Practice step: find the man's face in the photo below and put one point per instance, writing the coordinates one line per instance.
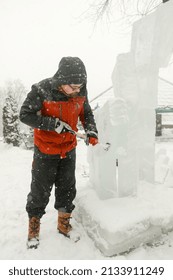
(72, 89)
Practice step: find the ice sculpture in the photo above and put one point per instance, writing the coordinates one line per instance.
(128, 120)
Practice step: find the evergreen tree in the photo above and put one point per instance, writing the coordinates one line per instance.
(11, 122)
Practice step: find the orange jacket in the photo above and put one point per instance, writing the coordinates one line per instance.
(51, 142)
(40, 110)
(45, 103)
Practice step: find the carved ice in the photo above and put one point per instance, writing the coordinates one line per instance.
(128, 120)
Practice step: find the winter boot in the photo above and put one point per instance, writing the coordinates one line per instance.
(65, 228)
(33, 233)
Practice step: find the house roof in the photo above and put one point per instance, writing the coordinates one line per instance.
(165, 95)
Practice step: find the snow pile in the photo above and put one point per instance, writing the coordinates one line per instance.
(120, 224)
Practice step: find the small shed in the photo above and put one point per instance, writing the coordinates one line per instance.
(164, 110)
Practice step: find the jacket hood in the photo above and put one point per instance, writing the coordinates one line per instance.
(71, 71)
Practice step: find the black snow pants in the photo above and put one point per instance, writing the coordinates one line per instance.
(47, 172)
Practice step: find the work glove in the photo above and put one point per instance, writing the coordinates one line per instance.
(61, 127)
(91, 138)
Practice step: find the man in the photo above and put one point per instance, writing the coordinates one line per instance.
(52, 108)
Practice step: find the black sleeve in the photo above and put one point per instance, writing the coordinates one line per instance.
(30, 111)
(87, 117)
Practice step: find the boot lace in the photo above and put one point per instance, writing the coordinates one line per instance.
(66, 223)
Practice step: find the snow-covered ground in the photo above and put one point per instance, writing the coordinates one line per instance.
(15, 177)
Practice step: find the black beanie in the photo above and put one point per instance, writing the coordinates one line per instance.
(71, 71)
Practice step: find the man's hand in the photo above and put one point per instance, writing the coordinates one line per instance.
(91, 138)
(61, 127)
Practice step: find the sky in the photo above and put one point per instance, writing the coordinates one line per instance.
(36, 34)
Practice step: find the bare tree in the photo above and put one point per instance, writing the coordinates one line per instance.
(16, 89)
(129, 9)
